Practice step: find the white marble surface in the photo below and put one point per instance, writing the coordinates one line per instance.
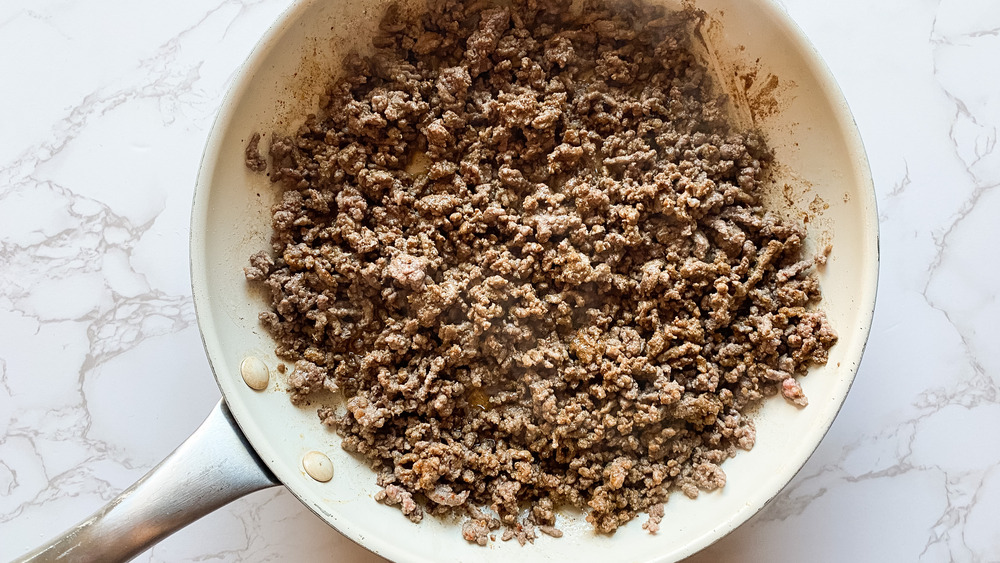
(104, 109)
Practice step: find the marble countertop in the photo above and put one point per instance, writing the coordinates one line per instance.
(104, 110)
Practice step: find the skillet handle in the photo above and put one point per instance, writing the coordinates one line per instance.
(212, 468)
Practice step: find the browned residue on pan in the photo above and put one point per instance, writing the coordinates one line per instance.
(756, 93)
(764, 94)
(757, 97)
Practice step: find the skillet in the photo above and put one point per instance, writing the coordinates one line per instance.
(256, 439)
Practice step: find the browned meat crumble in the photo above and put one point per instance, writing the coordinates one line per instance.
(528, 248)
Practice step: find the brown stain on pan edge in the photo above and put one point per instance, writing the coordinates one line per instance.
(755, 93)
(756, 97)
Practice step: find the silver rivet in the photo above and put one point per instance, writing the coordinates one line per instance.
(318, 466)
(254, 373)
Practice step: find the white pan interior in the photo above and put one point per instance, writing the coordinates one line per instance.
(823, 164)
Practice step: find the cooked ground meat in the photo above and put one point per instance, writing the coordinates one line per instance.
(528, 248)
(252, 157)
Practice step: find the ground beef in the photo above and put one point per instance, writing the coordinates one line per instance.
(652, 524)
(252, 157)
(528, 249)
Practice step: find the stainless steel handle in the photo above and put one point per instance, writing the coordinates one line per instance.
(212, 468)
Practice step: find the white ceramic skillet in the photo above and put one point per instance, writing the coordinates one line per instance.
(776, 82)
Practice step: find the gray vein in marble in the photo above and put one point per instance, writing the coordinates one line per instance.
(992, 32)
(897, 191)
(962, 111)
(165, 82)
(960, 504)
(8, 21)
(975, 388)
(806, 488)
(902, 184)
(3, 378)
(110, 330)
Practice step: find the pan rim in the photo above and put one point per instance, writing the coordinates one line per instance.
(200, 217)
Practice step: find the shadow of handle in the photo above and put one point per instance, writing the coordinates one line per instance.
(212, 468)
